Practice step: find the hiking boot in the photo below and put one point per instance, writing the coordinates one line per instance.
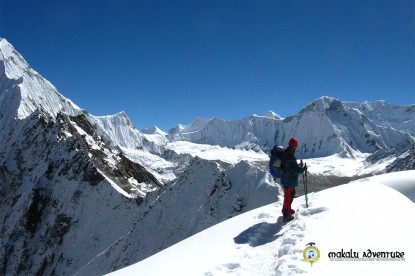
(288, 218)
(292, 212)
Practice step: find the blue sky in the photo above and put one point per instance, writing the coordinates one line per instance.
(167, 62)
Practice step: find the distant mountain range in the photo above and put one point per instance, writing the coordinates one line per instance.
(88, 194)
(324, 127)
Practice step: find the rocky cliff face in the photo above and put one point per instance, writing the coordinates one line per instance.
(54, 200)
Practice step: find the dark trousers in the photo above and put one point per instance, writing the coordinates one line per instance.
(289, 193)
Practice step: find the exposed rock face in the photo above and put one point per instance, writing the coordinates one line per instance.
(53, 199)
(106, 155)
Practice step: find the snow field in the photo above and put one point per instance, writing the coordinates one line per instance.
(210, 152)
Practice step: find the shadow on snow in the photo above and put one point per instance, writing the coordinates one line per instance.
(260, 234)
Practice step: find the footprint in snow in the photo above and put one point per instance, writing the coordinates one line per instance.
(232, 265)
(263, 216)
(228, 268)
(313, 211)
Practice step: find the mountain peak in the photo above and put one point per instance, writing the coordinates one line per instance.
(271, 114)
(153, 130)
(320, 104)
(325, 101)
(3, 42)
(120, 118)
(24, 90)
(197, 124)
(14, 65)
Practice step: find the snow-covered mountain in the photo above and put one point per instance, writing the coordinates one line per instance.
(86, 194)
(324, 127)
(26, 95)
(73, 184)
(23, 90)
(62, 178)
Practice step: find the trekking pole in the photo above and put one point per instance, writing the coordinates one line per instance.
(305, 185)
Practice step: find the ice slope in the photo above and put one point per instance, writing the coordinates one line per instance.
(361, 216)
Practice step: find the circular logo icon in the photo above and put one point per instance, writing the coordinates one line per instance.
(311, 253)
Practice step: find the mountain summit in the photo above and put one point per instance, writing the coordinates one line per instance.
(24, 90)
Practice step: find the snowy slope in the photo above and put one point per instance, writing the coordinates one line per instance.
(360, 216)
(201, 197)
(120, 129)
